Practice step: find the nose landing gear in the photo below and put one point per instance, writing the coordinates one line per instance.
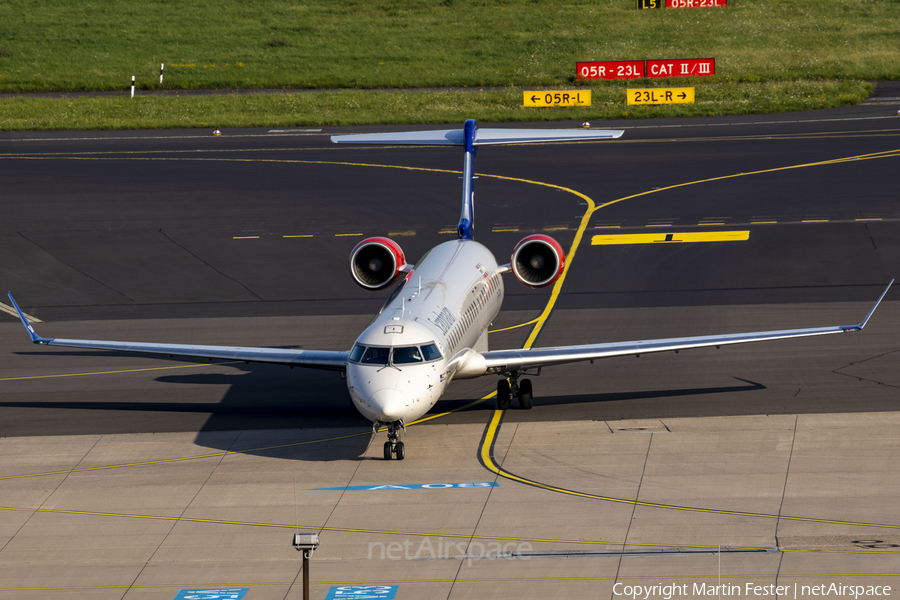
(513, 388)
(393, 447)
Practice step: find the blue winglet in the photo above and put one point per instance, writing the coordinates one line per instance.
(880, 298)
(31, 332)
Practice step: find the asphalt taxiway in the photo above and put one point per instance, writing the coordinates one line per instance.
(124, 476)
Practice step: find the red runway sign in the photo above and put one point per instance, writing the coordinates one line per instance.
(694, 3)
(610, 69)
(681, 67)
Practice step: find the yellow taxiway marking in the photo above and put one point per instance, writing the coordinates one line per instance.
(219, 584)
(308, 235)
(670, 238)
(873, 219)
(402, 233)
(347, 234)
(245, 237)
(763, 222)
(607, 226)
(488, 460)
(504, 229)
(814, 221)
(659, 224)
(514, 326)
(230, 362)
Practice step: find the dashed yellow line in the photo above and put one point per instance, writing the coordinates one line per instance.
(504, 229)
(872, 219)
(814, 221)
(659, 224)
(763, 222)
(308, 235)
(348, 234)
(245, 237)
(402, 233)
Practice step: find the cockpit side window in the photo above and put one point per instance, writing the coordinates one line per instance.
(376, 356)
(406, 355)
(430, 352)
(357, 353)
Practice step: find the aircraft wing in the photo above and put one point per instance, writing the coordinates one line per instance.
(505, 361)
(315, 359)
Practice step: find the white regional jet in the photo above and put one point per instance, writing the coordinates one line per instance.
(433, 328)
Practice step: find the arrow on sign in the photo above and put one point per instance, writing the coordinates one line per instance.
(534, 98)
(682, 95)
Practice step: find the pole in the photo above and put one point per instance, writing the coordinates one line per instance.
(306, 575)
(132, 86)
(161, 67)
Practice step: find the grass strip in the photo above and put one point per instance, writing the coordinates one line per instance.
(100, 44)
(358, 107)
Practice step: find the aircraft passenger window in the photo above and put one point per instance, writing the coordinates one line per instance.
(357, 353)
(376, 356)
(407, 355)
(430, 352)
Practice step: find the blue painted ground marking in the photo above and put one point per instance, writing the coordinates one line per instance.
(362, 592)
(411, 486)
(212, 594)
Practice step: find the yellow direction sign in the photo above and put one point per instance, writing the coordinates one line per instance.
(568, 98)
(661, 96)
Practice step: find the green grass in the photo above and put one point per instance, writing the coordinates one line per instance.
(359, 107)
(359, 44)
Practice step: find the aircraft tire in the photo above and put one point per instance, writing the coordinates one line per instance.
(502, 394)
(388, 455)
(401, 451)
(525, 397)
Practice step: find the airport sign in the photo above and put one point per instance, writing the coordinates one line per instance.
(681, 67)
(660, 96)
(567, 98)
(694, 3)
(610, 69)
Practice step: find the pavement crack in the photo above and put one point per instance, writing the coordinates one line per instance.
(859, 362)
(74, 268)
(226, 275)
(637, 496)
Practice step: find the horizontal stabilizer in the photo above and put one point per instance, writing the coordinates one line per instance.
(483, 136)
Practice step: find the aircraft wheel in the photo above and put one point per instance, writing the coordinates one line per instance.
(388, 455)
(525, 398)
(503, 394)
(401, 451)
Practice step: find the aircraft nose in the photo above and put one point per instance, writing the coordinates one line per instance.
(392, 404)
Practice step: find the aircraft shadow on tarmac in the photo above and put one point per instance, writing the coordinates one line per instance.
(259, 397)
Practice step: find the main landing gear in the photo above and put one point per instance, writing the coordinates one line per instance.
(513, 388)
(393, 446)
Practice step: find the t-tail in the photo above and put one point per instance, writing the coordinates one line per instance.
(471, 136)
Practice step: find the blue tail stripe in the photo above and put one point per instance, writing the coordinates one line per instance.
(466, 229)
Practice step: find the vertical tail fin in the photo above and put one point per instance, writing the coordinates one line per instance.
(471, 136)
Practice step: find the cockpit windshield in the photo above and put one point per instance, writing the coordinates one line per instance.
(376, 356)
(401, 355)
(406, 355)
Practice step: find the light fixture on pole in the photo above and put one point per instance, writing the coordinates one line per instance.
(306, 543)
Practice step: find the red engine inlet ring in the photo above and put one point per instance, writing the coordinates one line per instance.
(538, 261)
(376, 262)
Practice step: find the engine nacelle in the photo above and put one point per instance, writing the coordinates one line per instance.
(376, 262)
(538, 261)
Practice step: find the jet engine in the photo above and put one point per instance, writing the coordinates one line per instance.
(538, 261)
(376, 262)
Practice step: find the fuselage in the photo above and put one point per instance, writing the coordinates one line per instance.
(426, 332)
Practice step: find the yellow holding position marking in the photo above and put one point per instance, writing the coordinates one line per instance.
(670, 238)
